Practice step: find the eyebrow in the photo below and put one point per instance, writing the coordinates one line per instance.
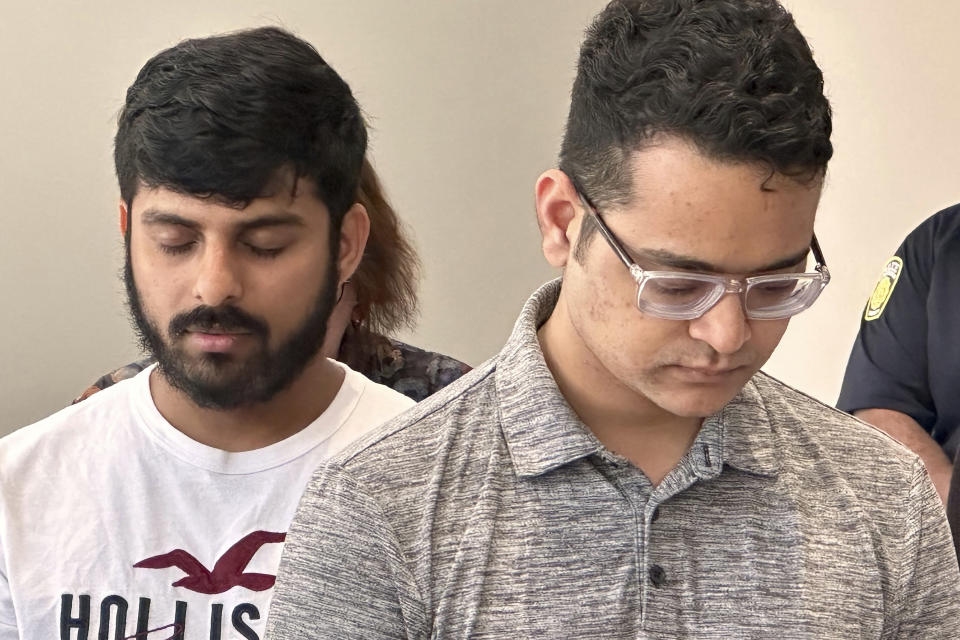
(676, 261)
(159, 217)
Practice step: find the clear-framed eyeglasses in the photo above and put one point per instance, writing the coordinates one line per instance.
(681, 295)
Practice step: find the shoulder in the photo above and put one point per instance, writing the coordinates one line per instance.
(434, 455)
(931, 246)
(407, 445)
(377, 401)
(938, 235)
(80, 427)
(108, 380)
(435, 369)
(835, 446)
(414, 372)
(839, 469)
(944, 222)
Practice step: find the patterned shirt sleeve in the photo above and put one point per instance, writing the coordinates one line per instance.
(115, 376)
(412, 371)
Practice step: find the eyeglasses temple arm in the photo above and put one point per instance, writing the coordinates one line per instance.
(817, 252)
(607, 234)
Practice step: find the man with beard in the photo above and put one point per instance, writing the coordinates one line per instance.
(158, 507)
(380, 299)
(622, 470)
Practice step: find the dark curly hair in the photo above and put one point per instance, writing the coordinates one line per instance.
(223, 116)
(736, 78)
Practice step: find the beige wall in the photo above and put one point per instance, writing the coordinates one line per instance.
(467, 99)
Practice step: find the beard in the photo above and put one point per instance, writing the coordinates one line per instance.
(222, 381)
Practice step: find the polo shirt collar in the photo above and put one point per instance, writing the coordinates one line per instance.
(748, 436)
(543, 432)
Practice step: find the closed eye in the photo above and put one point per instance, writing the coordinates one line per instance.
(776, 287)
(675, 291)
(177, 249)
(262, 252)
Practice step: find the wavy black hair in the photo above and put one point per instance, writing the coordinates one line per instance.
(223, 117)
(735, 78)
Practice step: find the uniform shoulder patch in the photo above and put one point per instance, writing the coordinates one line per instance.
(884, 289)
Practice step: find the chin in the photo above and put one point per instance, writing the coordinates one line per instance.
(695, 403)
(703, 411)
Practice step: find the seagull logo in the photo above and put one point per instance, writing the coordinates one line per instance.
(228, 570)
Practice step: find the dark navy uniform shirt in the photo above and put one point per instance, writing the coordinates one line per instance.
(907, 354)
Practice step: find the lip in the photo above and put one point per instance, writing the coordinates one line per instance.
(215, 341)
(706, 374)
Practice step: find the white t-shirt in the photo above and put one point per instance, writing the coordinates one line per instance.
(115, 525)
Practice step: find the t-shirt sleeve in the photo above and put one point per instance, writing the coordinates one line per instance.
(888, 366)
(929, 587)
(343, 574)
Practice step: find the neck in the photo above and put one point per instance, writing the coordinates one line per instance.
(621, 417)
(256, 426)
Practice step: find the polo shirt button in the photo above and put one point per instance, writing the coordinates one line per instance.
(657, 575)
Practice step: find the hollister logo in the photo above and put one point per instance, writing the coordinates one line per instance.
(114, 610)
(78, 619)
(228, 570)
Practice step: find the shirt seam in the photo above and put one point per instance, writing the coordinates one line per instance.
(834, 410)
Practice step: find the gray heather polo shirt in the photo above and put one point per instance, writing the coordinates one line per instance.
(490, 511)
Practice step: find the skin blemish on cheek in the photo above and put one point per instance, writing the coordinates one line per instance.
(595, 306)
(609, 303)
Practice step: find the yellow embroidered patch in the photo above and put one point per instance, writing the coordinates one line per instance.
(884, 289)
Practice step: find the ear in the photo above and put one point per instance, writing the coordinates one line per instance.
(354, 231)
(559, 213)
(124, 218)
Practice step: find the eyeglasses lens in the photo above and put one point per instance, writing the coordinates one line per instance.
(767, 298)
(677, 292)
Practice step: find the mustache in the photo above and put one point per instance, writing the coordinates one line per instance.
(226, 318)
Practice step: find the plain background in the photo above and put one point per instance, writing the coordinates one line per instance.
(467, 100)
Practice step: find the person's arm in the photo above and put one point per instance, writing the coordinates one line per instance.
(910, 434)
(928, 589)
(887, 381)
(343, 575)
(8, 617)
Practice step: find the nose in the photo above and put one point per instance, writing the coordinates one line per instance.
(218, 278)
(724, 327)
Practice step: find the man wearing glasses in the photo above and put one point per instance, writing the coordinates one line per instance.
(621, 469)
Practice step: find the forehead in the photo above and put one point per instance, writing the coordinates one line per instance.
(299, 205)
(731, 214)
